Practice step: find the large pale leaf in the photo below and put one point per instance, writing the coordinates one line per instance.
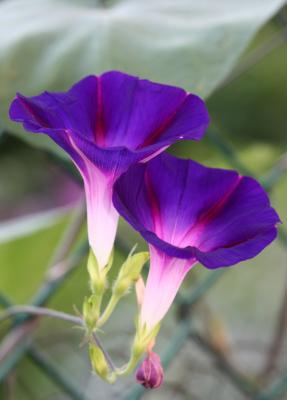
(49, 44)
(11, 230)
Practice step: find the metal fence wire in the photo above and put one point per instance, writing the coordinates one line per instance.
(19, 340)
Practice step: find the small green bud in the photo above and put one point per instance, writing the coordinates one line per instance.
(133, 265)
(91, 311)
(121, 287)
(99, 362)
(130, 272)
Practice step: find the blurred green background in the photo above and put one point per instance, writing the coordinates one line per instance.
(248, 111)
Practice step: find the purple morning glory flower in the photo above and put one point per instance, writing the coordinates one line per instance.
(189, 213)
(106, 124)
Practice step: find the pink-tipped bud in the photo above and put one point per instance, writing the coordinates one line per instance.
(150, 372)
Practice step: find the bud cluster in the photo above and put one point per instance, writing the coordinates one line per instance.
(94, 317)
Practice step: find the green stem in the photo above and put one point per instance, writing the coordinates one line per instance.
(106, 354)
(108, 310)
(40, 311)
(130, 366)
(98, 303)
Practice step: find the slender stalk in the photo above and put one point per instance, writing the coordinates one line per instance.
(46, 312)
(48, 367)
(130, 366)
(98, 296)
(106, 354)
(40, 311)
(108, 310)
(21, 332)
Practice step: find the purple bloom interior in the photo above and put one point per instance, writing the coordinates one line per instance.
(189, 211)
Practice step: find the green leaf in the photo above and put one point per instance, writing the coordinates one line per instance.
(50, 44)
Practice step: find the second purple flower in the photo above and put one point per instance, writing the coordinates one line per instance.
(189, 213)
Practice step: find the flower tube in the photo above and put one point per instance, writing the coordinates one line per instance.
(106, 124)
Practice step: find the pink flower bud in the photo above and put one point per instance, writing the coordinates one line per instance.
(150, 372)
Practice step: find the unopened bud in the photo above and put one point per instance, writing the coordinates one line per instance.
(90, 312)
(98, 361)
(121, 287)
(130, 272)
(150, 372)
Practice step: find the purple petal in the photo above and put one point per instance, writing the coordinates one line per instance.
(74, 110)
(114, 119)
(60, 115)
(188, 210)
(138, 113)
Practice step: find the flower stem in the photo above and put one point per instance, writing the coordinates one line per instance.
(130, 366)
(41, 311)
(108, 310)
(98, 303)
(106, 354)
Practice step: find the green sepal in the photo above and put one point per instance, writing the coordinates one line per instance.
(129, 272)
(91, 312)
(110, 262)
(98, 279)
(99, 364)
(144, 337)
